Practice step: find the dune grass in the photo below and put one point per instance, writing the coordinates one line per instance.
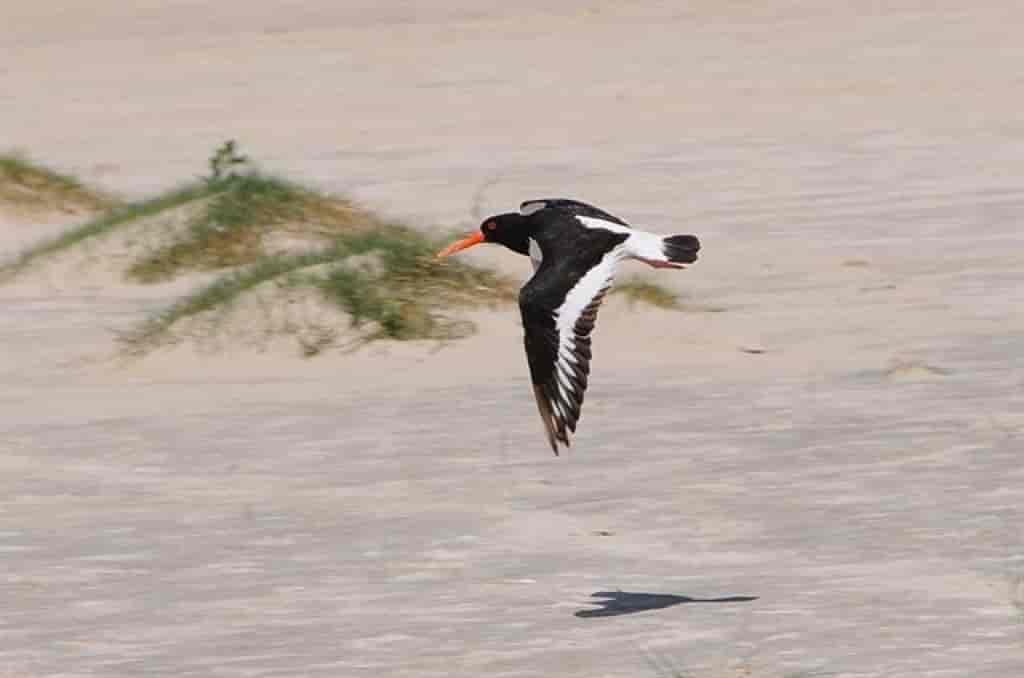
(28, 185)
(382, 275)
(106, 223)
(396, 289)
(637, 289)
(404, 296)
(220, 292)
(399, 290)
(238, 211)
(241, 210)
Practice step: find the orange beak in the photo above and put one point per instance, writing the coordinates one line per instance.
(465, 243)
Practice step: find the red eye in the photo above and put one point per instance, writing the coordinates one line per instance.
(490, 226)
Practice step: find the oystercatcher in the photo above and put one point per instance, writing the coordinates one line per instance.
(575, 249)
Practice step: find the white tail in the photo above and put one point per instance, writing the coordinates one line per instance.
(673, 251)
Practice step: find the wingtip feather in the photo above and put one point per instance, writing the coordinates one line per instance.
(552, 427)
(546, 416)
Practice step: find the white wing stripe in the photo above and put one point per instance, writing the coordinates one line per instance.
(568, 356)
(639, 244)
(590, 286)
(563, 386)
(595, 222)
(580, 296)
(558, 404)
(565, 377)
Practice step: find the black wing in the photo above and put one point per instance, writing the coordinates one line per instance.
(559, 307)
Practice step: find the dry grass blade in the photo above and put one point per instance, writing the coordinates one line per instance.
(28, 186)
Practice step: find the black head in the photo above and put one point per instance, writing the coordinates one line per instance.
(508, 229)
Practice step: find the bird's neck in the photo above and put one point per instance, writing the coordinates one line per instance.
(520, 244)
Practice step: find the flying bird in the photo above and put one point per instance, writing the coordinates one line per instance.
(575, 249)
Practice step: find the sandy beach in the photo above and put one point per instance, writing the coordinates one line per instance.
(814, 468)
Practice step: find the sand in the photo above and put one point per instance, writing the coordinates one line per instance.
(815, 468)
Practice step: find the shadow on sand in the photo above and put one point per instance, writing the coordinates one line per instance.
(614, 603)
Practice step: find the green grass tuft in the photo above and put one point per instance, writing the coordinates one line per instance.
(398, 288)
(229, 231)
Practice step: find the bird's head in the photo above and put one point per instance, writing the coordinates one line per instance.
(508, 229)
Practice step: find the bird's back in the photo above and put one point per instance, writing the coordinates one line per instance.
(567, 244)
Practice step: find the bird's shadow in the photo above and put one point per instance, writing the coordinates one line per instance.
(614, 603)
